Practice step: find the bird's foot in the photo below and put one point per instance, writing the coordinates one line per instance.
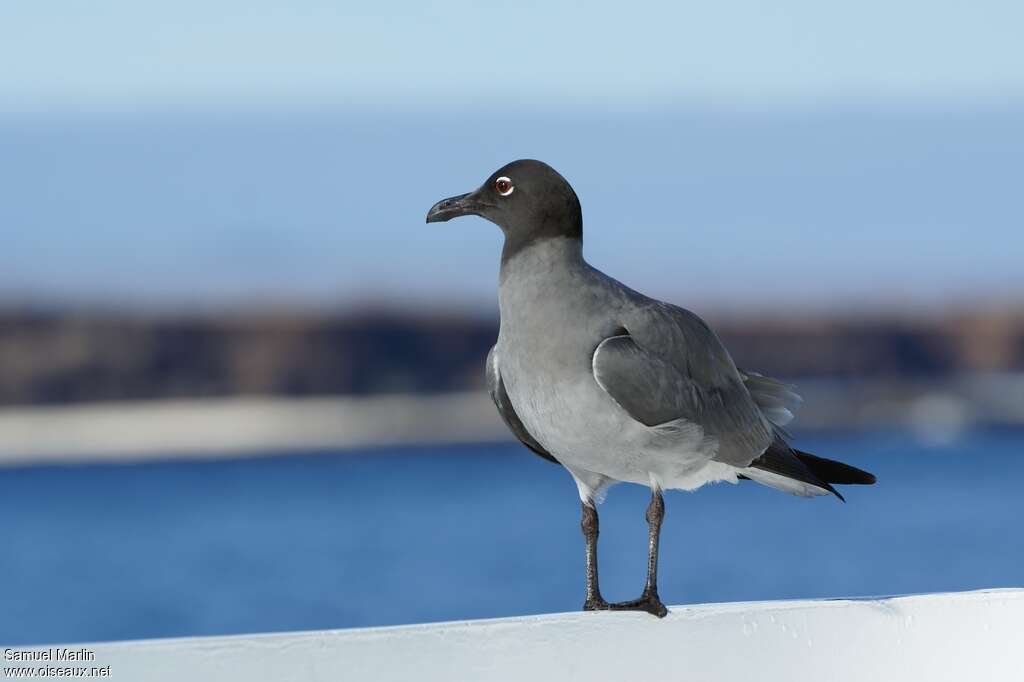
(649, 602)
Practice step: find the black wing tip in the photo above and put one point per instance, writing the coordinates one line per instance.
(835, 472)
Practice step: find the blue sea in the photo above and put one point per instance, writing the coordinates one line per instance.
(387, 536)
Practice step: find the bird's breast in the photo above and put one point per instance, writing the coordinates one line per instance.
(546, 365)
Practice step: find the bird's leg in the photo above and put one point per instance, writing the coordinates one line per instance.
(588, 523)
(655, 514)
(649, 600)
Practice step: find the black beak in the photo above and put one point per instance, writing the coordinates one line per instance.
(453, 207)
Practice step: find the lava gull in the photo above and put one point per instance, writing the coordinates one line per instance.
(616, 386)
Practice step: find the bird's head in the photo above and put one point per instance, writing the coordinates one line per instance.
(527, 199)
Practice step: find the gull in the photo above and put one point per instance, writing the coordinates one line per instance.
(616, 386)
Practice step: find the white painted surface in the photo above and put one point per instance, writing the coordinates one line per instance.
(962, 637)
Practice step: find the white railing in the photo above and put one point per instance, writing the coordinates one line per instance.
(961, 637)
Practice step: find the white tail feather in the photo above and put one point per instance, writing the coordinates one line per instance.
(783, 483)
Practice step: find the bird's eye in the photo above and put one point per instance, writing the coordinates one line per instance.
(504, 186)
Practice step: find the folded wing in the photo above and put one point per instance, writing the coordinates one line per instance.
(653, 382)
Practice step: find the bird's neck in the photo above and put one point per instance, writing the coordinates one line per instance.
(541, 258)
(537, 291)
(565, 227)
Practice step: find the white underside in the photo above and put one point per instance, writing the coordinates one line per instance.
(593, 486)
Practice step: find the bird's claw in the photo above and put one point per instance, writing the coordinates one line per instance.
(648, 602)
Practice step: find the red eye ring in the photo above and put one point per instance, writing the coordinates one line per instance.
(503, 186)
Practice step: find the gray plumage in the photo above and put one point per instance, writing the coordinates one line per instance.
(614, 385)
(496, 388)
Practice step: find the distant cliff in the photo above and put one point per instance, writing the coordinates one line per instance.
(56, 357)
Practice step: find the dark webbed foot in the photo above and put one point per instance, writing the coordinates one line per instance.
(648, 602)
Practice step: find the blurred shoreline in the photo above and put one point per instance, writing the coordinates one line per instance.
(61, 357)
(85, 386)
(935, 412)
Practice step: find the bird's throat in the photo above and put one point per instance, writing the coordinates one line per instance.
(532, 257)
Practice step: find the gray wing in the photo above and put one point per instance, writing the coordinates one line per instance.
(667, 365)
(496, 387)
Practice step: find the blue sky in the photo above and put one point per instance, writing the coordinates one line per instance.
(124, 53)
(740, 154)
